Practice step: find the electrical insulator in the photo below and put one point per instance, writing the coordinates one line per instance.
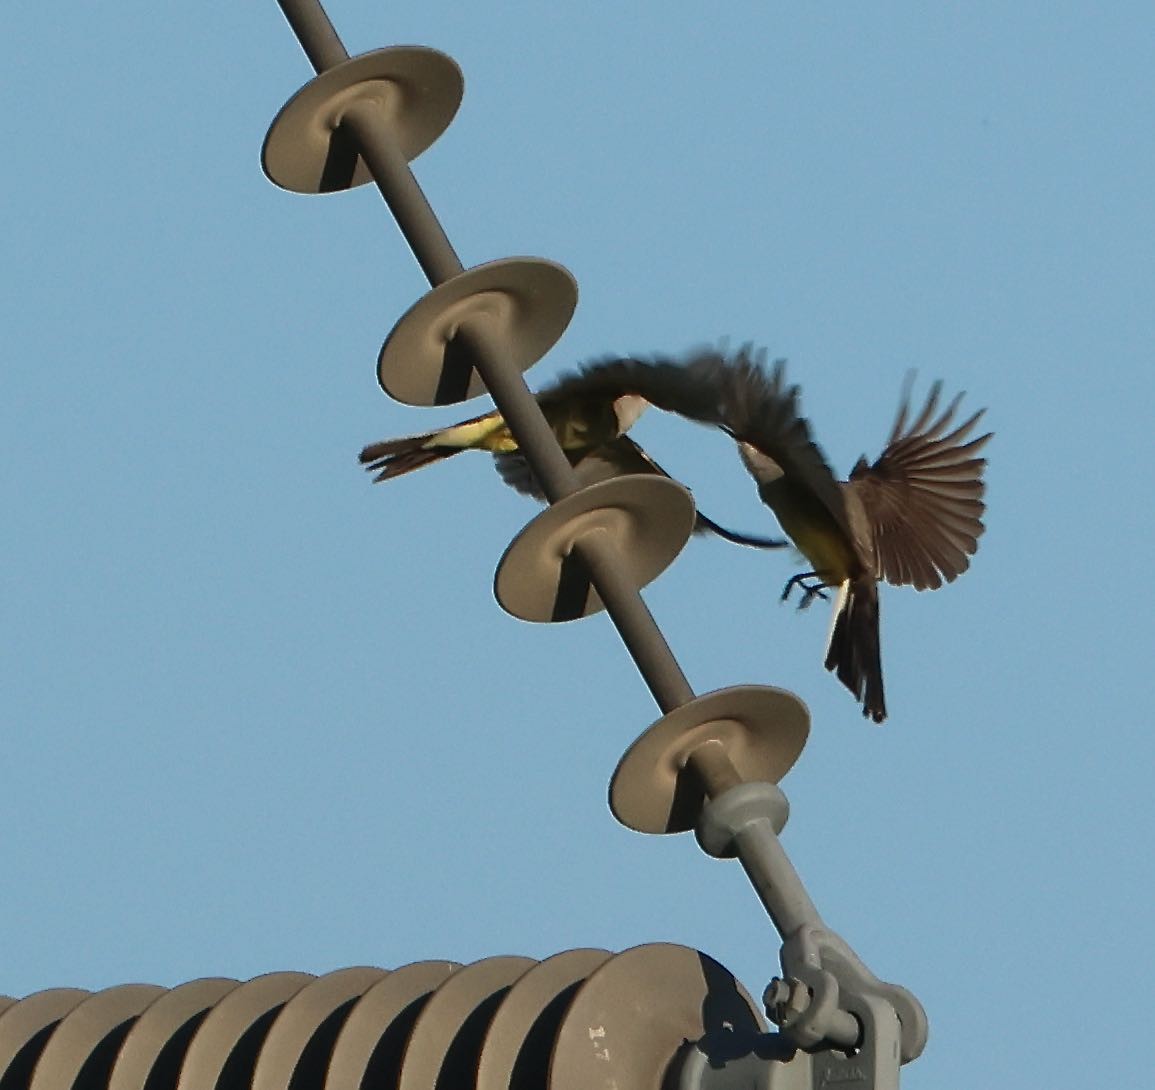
(581, 1020)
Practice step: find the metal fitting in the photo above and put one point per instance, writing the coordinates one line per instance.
(786, 1000)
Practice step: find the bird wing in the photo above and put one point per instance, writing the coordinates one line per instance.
(592, 464)
(923, 496)
(734, 392)
(692, 387)
(660, 380)
(758, 409)
(515, 472)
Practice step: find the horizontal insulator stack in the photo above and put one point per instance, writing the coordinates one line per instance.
(581, 1019)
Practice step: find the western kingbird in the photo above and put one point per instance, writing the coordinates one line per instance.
(589, 411)
(912, 517)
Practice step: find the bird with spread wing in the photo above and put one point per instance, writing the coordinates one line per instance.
(590, 412)
(912, 517)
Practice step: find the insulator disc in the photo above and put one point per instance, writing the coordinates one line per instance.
(297, 1050)
(516, 1051)
(520, 306)
(648, 518)
(232, 1035)
(89, 1037)
(630, 1018)
(155, 1047)
(762, 729)
(372, 1041)
(417, 91)
(446, 1040)
(25, 1029)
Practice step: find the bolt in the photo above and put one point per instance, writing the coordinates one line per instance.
(776, 992)
(785, 1000)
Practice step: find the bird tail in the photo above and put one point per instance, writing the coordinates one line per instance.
(393, 457)
(854, 652)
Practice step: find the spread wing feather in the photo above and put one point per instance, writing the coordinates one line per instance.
(923, 496)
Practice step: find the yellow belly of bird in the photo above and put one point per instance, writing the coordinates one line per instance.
(491, 433)
(825, 550)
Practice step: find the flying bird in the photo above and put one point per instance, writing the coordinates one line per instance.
(912, 517)
(590, 412)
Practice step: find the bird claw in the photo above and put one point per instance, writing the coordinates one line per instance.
(810, 591)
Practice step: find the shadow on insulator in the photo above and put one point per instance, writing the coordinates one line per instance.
(580, 1020)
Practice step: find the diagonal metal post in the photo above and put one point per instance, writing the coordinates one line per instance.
(362, 124)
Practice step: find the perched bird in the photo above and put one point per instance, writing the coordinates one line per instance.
(590, 412)
(912, 517)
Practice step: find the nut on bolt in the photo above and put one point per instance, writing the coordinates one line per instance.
(785, 1000)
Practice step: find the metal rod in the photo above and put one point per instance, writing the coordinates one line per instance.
(756, 844)
(522, 413)
(712, 765)
(365, 126)
(634, 622)
(390, 169)
(315, 33)
(774, 878)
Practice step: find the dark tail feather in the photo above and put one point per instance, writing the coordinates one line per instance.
(854, 653)
(393, 457)
(704, 525)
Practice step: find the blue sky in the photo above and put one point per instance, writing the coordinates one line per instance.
(259, 714)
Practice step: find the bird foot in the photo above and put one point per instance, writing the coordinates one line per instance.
(810, 591)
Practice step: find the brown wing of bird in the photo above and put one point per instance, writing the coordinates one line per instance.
(615, 459)
(731, 391)
(591, 466)
(923, 496)
(687, 387)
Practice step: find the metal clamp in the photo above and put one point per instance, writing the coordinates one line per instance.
(822, 962)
